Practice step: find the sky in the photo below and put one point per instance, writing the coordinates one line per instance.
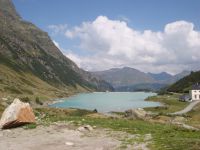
(149, 35)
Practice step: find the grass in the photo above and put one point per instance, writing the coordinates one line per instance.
(1, 109)
(30, 126)
(194, 117)
(164, 136)
(170, 103)
(23, 84)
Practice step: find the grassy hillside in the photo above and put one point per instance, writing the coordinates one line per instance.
(185, 84)
(21, 84)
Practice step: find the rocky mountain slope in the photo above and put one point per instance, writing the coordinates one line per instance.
(25, 50)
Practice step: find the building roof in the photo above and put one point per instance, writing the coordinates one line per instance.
(196, 86)
(185, 97)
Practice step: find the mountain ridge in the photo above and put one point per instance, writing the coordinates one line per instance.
(130, 79)
(26, 49)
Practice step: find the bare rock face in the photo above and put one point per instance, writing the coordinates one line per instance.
(16, 114)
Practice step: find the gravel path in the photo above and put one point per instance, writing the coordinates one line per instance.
(64, 137)
(186, 109)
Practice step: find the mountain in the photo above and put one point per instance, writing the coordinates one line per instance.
(181, 75)
(130, 79)
(31, 62)
(126, 76)
(185, 84)
(141, 87)
(166, 78)
(163, 76)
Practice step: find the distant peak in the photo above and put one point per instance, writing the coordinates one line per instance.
(128, 68)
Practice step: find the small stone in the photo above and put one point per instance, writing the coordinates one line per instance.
(4, 99)
(81, 129)
(9, 131)
(69, 143)
(88, 127)
(85, 128)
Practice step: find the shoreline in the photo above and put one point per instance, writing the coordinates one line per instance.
(60, 100)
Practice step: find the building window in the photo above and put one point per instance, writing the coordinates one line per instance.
(195, 96)
(199, 96)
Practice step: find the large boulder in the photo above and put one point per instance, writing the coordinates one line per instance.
(16, 114)
(138, 113)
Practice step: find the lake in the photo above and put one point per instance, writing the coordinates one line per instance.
(107, 101)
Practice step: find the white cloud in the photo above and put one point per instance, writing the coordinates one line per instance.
(115, 44)
(58, 29)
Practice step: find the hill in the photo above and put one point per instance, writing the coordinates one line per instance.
(31, 62)
(185, 84)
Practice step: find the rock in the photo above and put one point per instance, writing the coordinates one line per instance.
(5, 99)
(69, 143)
(95, 111)
(147, 137)
(179, 119)
(189, 127)
(138, 113)
(16, 114)
(186, 126)
(85, 128)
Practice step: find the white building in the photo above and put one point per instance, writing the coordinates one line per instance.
(195, 92)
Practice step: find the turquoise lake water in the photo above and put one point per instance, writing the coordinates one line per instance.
(107, 101)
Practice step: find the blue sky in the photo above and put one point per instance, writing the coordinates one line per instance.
(139, 15)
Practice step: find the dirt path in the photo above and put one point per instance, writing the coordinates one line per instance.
(65, 137)
(186, 109)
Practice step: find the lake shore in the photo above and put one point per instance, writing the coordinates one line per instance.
(105, 102)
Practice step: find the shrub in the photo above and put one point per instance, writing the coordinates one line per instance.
(37, 100)
(25, 99)
(30, 126)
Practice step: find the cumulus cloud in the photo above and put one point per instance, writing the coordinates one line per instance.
(115, 44)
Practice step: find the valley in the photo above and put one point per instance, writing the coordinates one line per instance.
(73, 83)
